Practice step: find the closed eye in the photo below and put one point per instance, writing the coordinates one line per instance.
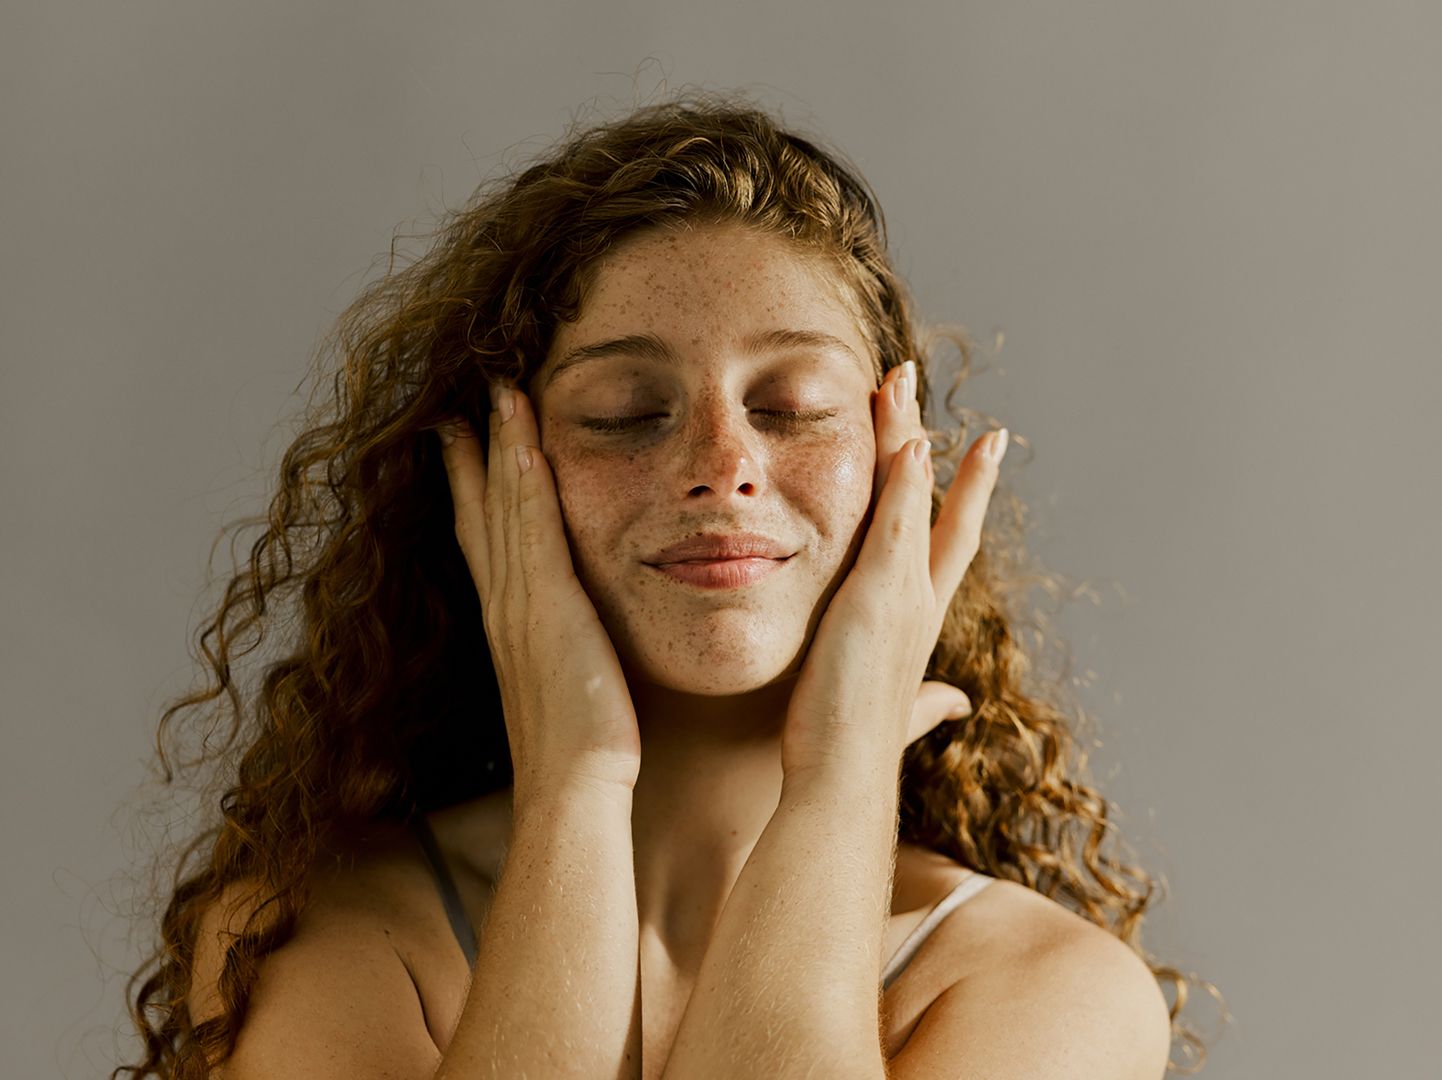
(784, 418)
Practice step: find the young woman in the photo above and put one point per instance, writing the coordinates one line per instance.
(654, 710)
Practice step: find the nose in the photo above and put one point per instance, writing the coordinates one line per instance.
(722, 455)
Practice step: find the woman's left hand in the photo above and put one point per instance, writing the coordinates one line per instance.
(856, 700)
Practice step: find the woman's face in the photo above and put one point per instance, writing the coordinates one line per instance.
(695, 434)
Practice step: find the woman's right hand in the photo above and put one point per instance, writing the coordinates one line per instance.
(568, 711)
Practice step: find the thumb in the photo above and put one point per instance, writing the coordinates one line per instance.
(936, 701)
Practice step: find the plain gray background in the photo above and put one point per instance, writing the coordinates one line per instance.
(1209, 231)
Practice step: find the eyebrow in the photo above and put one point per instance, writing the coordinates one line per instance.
(651, 347)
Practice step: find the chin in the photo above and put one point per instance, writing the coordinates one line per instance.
(717, 665)
(718, 682)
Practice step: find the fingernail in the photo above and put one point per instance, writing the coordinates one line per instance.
(996, 446)
(506, 404)
(523, 458)
(447, 433)
(903, 391)
(921, 450)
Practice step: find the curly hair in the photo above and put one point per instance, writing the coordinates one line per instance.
(379, 706)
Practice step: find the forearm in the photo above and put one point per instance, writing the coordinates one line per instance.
(554, 989)
(790, 984)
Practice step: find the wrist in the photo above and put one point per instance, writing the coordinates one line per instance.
(844, 778)
(556, 790)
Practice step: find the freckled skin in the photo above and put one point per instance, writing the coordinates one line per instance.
(708, 459)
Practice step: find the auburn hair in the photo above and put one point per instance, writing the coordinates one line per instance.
(379, 701)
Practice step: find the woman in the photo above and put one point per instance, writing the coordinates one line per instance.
(656, 710)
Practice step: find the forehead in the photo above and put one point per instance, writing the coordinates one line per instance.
(663, 261)
(709, 287)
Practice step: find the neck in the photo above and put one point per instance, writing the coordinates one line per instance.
(710, 780)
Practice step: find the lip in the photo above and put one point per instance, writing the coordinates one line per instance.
(710, 547)
(720, 573)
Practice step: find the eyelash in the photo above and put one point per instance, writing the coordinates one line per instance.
(785, 418)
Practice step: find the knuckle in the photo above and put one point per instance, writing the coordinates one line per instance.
(531, 534)
(469, 541)
(899, 529)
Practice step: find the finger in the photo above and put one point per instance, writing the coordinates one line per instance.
(956, 536)
(893, 409)
(495, 496)
(900, 531)
(526, 522)
(466, 475)
(544, 554)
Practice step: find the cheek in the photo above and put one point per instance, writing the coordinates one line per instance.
(595, 492)
(832, 480)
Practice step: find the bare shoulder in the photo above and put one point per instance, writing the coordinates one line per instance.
(1032, 989)
(337, 997)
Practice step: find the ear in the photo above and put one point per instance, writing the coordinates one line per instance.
(936, 701)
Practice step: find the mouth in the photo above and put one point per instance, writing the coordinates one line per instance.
(721, 573)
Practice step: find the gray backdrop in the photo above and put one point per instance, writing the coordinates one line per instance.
(1210, 232)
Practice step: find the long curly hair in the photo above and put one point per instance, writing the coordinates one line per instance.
(381, 702)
